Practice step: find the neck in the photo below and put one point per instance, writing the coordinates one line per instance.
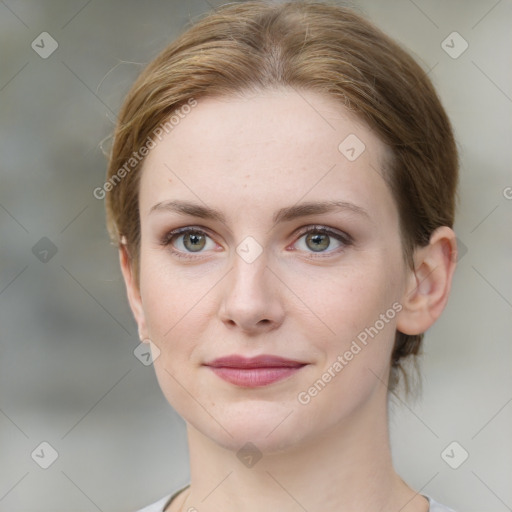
(346, 468)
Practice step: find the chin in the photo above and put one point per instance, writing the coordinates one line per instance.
(269, 426)
(258, 439)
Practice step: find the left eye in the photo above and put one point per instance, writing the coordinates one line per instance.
(319, 239)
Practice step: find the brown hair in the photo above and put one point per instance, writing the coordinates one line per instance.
(319, 46)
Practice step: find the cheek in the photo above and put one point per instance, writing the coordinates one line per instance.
(174, 311)
(347, 300)
(359, 305)
(171, 301)
(360, 310)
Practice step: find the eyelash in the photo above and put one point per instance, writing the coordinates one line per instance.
(344, 238)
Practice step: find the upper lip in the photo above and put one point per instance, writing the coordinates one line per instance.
(262, 361)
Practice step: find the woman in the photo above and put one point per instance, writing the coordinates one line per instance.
(281, 188)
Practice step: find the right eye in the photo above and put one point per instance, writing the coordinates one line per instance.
(186, 241)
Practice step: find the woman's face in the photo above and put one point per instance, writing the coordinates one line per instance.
(249, 178)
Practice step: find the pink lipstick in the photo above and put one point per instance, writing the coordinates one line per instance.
(254, 371)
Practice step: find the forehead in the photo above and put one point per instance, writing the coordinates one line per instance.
(269, 147)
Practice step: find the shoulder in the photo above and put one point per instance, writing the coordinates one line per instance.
(163, 503)
(436, 506)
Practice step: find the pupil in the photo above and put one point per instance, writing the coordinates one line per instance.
(320, 242)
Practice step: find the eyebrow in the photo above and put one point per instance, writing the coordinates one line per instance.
(283, 215)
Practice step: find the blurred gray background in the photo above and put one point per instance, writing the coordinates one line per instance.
(68, 374)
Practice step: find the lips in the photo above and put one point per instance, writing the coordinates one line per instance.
(264, 361)
(254, 371)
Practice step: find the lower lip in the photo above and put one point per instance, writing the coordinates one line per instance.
(254, 377)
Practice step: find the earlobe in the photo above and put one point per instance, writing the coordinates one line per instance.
(132, 291)
(429, 283)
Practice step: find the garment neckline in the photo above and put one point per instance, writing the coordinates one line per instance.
(179, 491)
(173, 496)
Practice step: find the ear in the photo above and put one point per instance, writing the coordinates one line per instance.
(132, 291)
(429, 284)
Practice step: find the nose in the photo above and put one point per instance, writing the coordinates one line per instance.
(251, 297)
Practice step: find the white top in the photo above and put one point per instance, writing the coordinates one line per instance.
(162, 504)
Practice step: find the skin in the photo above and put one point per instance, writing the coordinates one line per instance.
(249, 157)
